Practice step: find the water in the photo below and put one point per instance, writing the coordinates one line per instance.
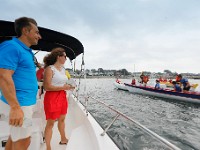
(178, 122)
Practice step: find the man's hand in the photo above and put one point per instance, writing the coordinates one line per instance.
(8, 89)
(16, 116)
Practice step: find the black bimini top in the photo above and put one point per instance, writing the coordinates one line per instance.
(50, 39)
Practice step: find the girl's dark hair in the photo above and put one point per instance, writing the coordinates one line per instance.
(22, 22)
(51, 58)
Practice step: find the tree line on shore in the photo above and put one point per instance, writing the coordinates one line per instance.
(124, 72)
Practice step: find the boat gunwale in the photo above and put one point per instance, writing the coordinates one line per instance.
(193, 95)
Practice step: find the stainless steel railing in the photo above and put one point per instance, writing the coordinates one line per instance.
(118, 113)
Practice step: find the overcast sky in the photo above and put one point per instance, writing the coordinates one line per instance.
(152, 35)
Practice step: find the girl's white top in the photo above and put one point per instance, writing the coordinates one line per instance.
(59, 77)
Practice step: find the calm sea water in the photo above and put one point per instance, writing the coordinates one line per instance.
(178, 122)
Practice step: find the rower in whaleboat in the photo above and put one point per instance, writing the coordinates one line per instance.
(177, 86)
(183, 82)
(144, 79)
(133, 82)
(141, 77)
(157, 86)
(118, 81)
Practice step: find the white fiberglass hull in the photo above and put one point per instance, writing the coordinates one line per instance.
(120, 86)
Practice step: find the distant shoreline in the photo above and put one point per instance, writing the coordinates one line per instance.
(125, 77)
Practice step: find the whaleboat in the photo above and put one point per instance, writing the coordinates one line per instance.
(120, 86)
(82, 130)
(190, 96)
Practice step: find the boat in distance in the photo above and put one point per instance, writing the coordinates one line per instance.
(193, 97)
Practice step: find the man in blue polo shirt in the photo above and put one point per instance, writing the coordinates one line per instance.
(18, 82)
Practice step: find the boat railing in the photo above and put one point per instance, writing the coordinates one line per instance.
(118, 113)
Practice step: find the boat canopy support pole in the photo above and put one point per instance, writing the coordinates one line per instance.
(104, 132)
(82, 74)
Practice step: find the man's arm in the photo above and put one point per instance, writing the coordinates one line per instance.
(8, 90)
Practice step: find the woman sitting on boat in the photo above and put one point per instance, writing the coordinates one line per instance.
(177, 87)
(157, 86)
(133, 81)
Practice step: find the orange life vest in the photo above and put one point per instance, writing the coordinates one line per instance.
(145, 79)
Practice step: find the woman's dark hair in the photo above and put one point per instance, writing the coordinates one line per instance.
(22, 22)
(51, 58)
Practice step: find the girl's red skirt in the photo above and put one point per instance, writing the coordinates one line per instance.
(55, 104)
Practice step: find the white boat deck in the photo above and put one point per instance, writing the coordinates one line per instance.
(83, 132)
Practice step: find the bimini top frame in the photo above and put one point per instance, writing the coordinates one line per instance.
(50, 39)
